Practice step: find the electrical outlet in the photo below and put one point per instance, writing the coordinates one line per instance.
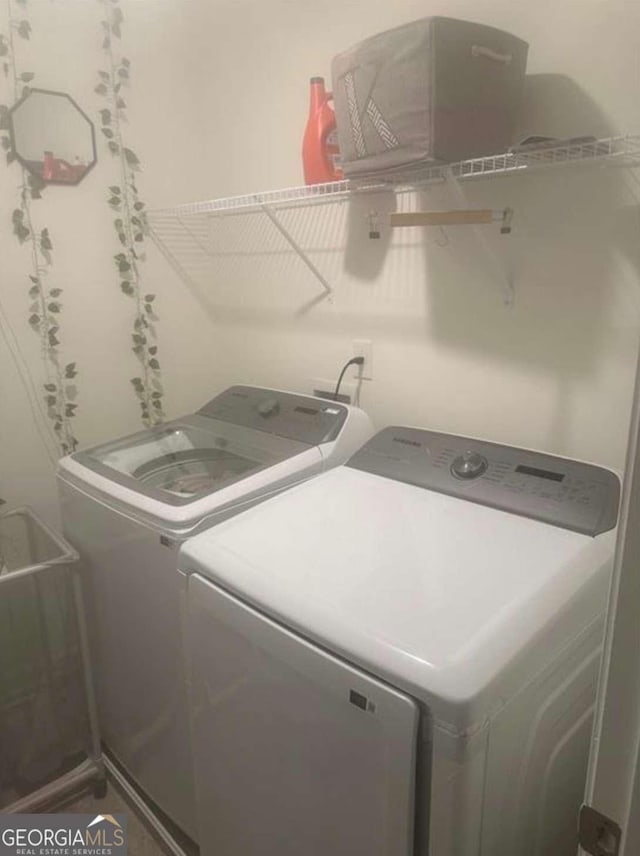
(364, 348)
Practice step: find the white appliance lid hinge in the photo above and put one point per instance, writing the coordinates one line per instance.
(598, 834)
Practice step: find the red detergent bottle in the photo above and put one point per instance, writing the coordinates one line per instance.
(320, 152)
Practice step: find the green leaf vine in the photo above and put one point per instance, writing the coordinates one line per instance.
(59, 389)
(129, 220)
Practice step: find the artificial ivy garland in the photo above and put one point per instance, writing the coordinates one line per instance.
(129, 222)
(45, 309)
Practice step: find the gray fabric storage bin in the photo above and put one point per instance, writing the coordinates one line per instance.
(434, 90)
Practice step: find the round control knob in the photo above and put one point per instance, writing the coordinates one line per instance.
(269, 407)
(469, 465)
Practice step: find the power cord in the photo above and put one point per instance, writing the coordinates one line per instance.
(355, 361)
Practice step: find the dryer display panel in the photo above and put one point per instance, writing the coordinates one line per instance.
(567, 493)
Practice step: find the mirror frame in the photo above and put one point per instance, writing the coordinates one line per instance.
(25, 164)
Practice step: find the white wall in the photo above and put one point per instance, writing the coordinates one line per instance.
(555, 370)
(164, 112)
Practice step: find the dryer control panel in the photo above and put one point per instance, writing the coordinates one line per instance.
(571, 494)
(296, 417)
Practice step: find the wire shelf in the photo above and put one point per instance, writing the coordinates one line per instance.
(185, 233)
(616, 151)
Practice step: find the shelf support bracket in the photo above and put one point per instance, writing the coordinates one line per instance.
(508, 291)
(295, 247)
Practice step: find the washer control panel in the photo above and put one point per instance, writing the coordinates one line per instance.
(571, 494)
(296, 417)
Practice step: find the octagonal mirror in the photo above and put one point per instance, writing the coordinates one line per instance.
(52, 137)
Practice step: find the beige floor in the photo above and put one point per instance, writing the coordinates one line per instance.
(140, 840)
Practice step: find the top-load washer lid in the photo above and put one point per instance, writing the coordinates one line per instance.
(256, 437)
(184, 460)
(452, 568)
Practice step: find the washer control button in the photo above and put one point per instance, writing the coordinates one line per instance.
(269, 407)
(469, 465)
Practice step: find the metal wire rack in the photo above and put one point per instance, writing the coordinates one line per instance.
(620, 151)
(183, 233)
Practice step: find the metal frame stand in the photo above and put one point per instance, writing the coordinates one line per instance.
(91, 772)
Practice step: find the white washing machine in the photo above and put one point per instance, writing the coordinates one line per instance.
(400, 656)
(126, 508)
